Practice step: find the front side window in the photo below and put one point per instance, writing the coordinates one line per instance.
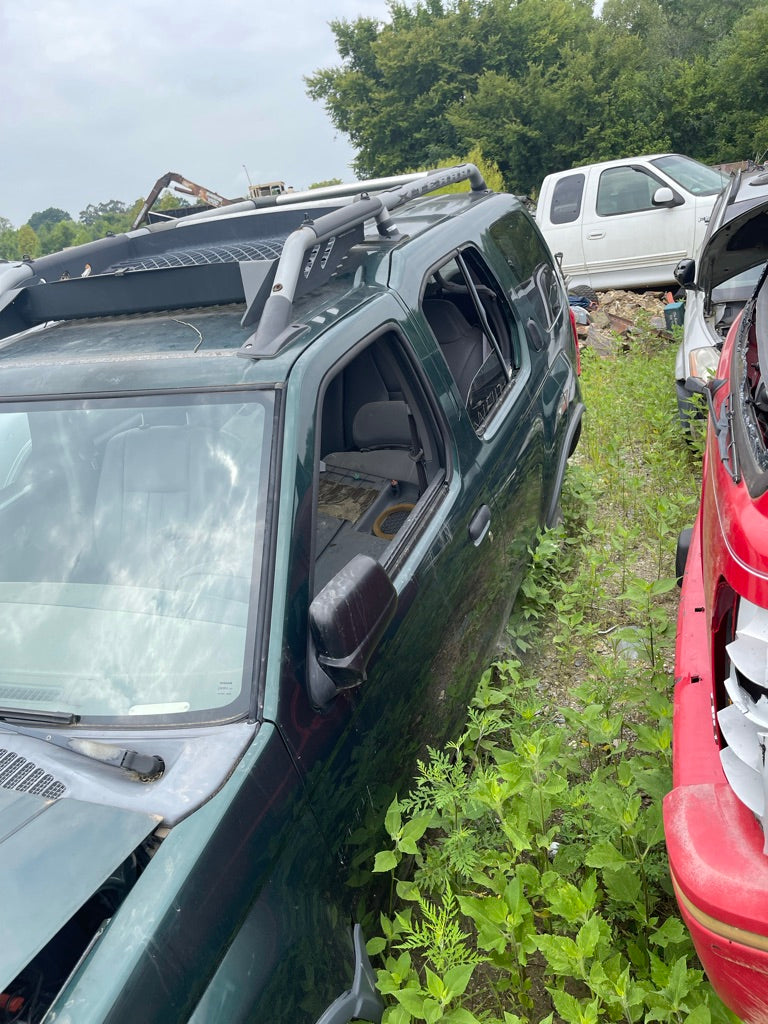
(128, 529)
(475, 330)
(625, 190)
(382, 455)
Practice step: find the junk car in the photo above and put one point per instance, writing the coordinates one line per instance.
(626, 223)
(269, 477)
(715, 818)
(718, 283)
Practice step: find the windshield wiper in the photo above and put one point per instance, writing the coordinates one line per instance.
(41, 717)
(143, 767)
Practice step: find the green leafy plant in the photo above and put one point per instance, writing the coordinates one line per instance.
(528, 872)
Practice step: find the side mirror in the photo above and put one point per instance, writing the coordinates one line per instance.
(347, 619)
(685, 273)
(664, 196)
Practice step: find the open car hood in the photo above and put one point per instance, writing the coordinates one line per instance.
(54, 854)
(736, 246)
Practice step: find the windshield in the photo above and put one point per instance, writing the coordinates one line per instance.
(697, 178)
(739, 287)
(130, 541)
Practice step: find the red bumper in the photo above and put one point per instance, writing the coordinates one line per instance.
(715, 846)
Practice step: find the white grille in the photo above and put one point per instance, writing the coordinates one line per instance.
(744, 723)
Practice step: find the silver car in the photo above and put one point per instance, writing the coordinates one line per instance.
(718, 284)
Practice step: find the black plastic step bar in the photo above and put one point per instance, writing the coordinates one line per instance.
(109, 277)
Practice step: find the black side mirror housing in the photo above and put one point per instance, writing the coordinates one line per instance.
(347, 620)
(685, 272)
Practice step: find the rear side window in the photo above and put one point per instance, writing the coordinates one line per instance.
(476, 331)
(536, 291)
(566, 199)
(625, 190)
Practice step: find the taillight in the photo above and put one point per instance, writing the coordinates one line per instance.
(575, 341)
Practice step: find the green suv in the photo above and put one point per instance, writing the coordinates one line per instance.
(268, 479)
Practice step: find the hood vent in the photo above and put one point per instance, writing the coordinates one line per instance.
(24, 776)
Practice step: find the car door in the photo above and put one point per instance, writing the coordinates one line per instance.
(626, 236)
(355, 740)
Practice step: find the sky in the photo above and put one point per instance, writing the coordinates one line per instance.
(100, 97)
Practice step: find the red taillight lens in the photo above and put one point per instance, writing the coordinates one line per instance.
(575, 341)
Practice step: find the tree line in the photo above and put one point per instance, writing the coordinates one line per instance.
(543, 85)
(53, 229)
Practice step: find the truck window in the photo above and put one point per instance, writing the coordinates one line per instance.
(476, 331)
(536, 292)
(625, 190)
(566, 199)
(380, 450)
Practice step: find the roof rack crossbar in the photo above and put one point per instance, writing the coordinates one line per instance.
(279, 305)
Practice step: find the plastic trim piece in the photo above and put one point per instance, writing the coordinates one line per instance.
(362, 1001)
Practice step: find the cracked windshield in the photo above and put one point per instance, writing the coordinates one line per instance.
(127, 554)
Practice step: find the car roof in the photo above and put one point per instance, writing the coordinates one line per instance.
(616, 163)
(148, 317)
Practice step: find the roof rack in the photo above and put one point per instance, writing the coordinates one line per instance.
(223, 255)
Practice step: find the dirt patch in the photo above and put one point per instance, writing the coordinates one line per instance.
(612, 324)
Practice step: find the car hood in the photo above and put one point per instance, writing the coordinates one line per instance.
(736, 246)
(54, 854)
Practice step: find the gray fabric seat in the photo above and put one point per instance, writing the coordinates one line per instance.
(381, 434)
(460, 342)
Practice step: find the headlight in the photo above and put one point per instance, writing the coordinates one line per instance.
(703, 362)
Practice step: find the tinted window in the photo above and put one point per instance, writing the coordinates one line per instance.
(566, 199)
(625, 190)
(536, 292)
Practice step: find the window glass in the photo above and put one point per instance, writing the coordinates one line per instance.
(14, 445)
(536, 291)
(566, 199)
(625, 190)
(380, 451)
(127, 532)
(695, 177)
(477, 334)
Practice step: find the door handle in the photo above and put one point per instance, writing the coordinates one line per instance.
(479, 525)
(596, 234)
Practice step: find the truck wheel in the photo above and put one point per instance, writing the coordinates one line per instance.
(586, 292)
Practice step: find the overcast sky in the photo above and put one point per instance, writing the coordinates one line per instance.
(99, 98)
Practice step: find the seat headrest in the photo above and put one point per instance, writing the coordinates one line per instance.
(381, 425)
(447, 321)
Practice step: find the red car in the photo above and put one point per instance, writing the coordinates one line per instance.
(716, 817)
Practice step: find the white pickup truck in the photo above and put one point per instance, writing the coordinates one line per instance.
(627, 223)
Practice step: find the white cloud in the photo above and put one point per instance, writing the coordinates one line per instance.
(101, 98)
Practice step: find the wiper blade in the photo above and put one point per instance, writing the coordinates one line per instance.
(142, 767)
(41, 717)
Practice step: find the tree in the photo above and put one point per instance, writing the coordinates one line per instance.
(47, 218)
(109, 211)
(27, 242)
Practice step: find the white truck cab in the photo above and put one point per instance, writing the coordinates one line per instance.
(627, 223)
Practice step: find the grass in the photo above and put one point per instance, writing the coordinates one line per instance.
(527, 864)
